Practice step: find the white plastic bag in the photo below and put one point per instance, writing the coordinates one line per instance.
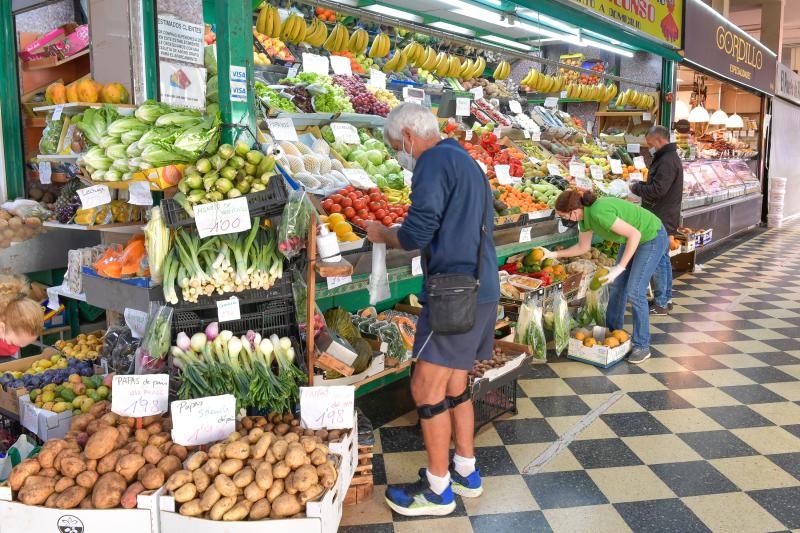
(18, 452)
(379, 278)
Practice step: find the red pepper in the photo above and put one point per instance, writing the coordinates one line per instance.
(511, 268)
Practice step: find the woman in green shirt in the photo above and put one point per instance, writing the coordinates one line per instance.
(643, 242)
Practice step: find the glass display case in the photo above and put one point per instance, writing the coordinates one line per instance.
(694, 194)
(709, 182)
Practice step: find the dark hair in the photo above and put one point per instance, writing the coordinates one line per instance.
(658, 131)
(573, 199)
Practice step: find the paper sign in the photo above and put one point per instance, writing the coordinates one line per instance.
(551, 101)
(45, 173)
(534, 160)
(616, 165)
(646, 117)
(203, 420)
(282, 129)
(577, 169)
(222, 218)
(341, 65)
(136, 320)
(338, 281)
(407, 175)
(462, 107)
(57, 111)
(377, 79)
(635, 176)
(597, 172)
(139, 396)
(636, 120)
(345, 133)
(538, 215)
(316, 64)
(411, 94)
(468, 135)
(634, 148)
(638, 162)
(293, 71)
(515, 106)
(478, 92)
(180, 40)
(94, 196)
(182, 85)
(327, 407)
(525, 234)
(238, 84)
(139, 193)
(416, 266)
(536, 136)
(584, 183)
(563, 94)
(503, 174)
(589, 126)
(553, 169)
(228, 310)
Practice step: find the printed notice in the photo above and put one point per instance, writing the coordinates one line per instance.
(238, 84)
(182, 85)
(179, 40)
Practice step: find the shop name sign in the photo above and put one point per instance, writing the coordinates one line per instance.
(788, 84)
(660, 19)
(741, 50)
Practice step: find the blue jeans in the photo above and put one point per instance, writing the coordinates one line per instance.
(662, 281)
(631, 286)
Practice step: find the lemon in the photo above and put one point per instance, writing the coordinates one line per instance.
(335, 218)
(349, 237)
(341, 228)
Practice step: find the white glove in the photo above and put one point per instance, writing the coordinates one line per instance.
(548, 254)
(613, 273)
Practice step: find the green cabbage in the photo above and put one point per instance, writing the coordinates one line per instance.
(212, 89)
(117, 151)
(184, 119)
(95, 158)
(150, 111)
(160, 154)
(120, 126)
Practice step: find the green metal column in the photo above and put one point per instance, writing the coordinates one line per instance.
(667, 86)
(234, 22)
(150, 49)
(11, 140)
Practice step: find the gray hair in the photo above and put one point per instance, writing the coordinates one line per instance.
(415, 117)
(658, 131)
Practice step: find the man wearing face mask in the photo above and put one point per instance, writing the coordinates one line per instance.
(662, 194)
(451, 207)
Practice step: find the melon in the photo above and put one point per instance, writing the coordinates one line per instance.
(72, 93)
(114, 93)
(87, 91)
(55, 94)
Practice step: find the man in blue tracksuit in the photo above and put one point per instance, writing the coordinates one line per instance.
(450, 200)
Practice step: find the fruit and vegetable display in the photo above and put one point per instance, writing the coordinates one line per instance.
(77, 394)
(596, 92)
(534, 265)
(635, 99)
(21, 223)
(313, 167)
(360, 97)
(55, 369)
(535, 81)
(326, 96)
(372, 156)
(129, 261)
(116, 212)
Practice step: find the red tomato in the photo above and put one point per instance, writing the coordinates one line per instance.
(380, 213)
(375, 196)
(362, 212)
(371, 216)
(353, 196)
(396, 210)
(349, 212)
(326, 204)
(347, 202)
(387, 221)
(405, 208)
(358, 221)
(337, 198)
(360, 203)
(374, 190)
(399, 220)
(336, 208)
(350, 188)
(374, 206)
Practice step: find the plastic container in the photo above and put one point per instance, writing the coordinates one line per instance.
(327, 245)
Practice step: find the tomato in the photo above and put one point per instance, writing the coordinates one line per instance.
(371, 216)
(349, 212)
(358, 221)
(387, 221)
(396, 210)
(362, 212)
(380, 213)
(374, 206)
(399, 220)
(326, 204)
(353, 196)
(375, 196)
(374, 190)
(347, 202)
(360, 204)
(405, 208)
(336, 208)
(337, 198)
(350, 188)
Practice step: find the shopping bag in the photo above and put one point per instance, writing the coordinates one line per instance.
(379, 278)
(18, 452)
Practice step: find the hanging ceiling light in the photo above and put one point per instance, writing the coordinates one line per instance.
(718, 117)
(734, 122)
(698, 114)
(681, 110)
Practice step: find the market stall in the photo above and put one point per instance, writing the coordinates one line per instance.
(783, 199)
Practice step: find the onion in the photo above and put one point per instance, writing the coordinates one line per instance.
(212, 330)
(183, 342)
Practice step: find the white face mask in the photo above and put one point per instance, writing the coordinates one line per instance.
(405, 159)
(653, 151)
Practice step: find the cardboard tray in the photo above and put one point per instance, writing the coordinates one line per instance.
(9, 398)
(601, 356)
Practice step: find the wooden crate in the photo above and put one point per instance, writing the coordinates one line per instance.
(362, 485)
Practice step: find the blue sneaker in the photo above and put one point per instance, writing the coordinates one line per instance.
(417, 499)
(467, 487)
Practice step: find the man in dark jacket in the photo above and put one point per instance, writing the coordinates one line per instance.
(662, 194)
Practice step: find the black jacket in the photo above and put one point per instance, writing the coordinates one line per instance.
(663, 191)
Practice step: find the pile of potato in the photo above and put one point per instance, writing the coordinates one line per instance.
(103, 462)
(269, 469)
(499, 358)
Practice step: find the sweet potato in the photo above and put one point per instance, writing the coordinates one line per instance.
(239, 449)
(212, 466)
(201, 480)
(221, 507)
(238, 511)
(152, 478)
(101, 443)
(109, 462)
(179, 479)
(196, 460)
(275, 490)
(129, 497)
(129, 465)
(285, 505)
(225, 485)
(152, 454)
(185, 493)
(108, 490)
(229, 467)
(28, 467)
(260, 510)
(244, 477)
(264, 476)
(87, 479)
(210, 497)
(192, 508)
(253, 492)
(169, 464)
(72, 497)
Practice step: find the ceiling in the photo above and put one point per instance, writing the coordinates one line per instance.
(747, 15)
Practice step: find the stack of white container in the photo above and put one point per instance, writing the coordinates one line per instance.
(777, 193)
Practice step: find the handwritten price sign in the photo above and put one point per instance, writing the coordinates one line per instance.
(204, 420)
(139, 396)
(222, 218)
(327, 407)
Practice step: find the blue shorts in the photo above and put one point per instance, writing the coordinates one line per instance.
(457, 351)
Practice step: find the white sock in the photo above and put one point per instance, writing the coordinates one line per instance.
(438, 484)
(464, 466)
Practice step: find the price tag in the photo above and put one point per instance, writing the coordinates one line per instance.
(483, 166)
(635, 176)
(526, 134)
(634, 148)
(139, 396)
(57, 111)
(139, 193)
(551, 102)
(553, 169)
(341, 65)
(338, 281)
(638, 162)
(29, 418)
(672, 137)
(503, 173)
(137, 321)
(282, 129)
(222, 218)
(327, 407)
(45, 173)
(536, 136)
(293, 71)
(589, 126)
(416, 266)
(412, 94)
(525, 234)
(584, 183)
(228, 310)
(203, 420)
(316, 64)
(377, 79)
(647, 117)
(462, 107)
(468, 135)
(751, 133)
(407, 175)
(597, 172)
(534, 160)
(577, 169)
(94, 196)
(563, 94)
(478, 92)
(345, 133)
(636, 120)
(537, 215)
(515, 106)
(616, 165)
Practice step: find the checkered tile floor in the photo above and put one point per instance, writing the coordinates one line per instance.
(706, 436)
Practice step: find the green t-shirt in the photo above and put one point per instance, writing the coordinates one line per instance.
(599, 217)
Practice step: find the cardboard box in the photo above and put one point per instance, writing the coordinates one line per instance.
(601, 356)
(45, 424)
(347, 448)
(9, 398)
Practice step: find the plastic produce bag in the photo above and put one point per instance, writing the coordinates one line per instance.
(379, 278)
(299, 292)
(51, 135)
(293, 230)
(18, 452)
(119, 350)
(150, 357)
(395, 347)
(561, 322)
(530, 329)
(594, 307)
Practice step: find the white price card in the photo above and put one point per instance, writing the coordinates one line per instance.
(584, 183)
(616, 165)
(672, 137)
(94, 196)
(590, 126)
(635, 176)
(203, 420)
(341, 65)
(503, 173)
(377, 79)
(282, 129)
(536, 136)
(338, 281)
(563, 94)
(636, 120)
(577, 169)
(551, 101)
(315, 63)
(534, 160)
(136, 320)
(468, 135)
(139, 396)
(407, 177)
(45, 173)
(525, 234)
(633, 148)
(139, 193)
(478, 92)
(228, 310)
(412, 94)
(293, 71)
(515, 106)
(597, 172)
(553, 169)
(462, 107)
(647, 117)
(327, 407)
(222, 218)
(416, 266)
(57, 111)
(538, 215)
(638, 162)
(345, 133)
(526, 134)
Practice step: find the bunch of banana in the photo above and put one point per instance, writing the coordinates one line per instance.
(636, 99)
(442, 64)
(358, 41)
(502, 71)
(397, 62)
(454, 67)
(294, 29)
(414, 52)
(269, 21)
(538, 82)
(426, 59)
(380, 46)
(398, 196)
(338, 39)
(472, 69)
(316, 33)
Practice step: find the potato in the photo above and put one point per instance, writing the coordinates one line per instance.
(142, 436)
(312, 493)
(164, 448)
(155, 428)
(264, 476)
(334, 435)
(101, 443)
(239, 449)
(66, 452)
(279, 448)
(210, 496)
(260, 510)
(179, 479)
(270, 457)
(259, 421)
(108, 490)
(318, 457)
(212, 466)
(87, 478)
(63, 484)
(305, 477)
(91, 464)
(285, 505)
(86, 503)
(158, 440)
(254, 435)
(292, 437)
(253, 492)
(309, 444)
(322, 434)
(275, 490)
(47, 455)
(124, 433)
(152, 478)
(280, 470)
(244, 477)
(152, 454)
(80, 422)
(217, 451)
(281, 429)
(192, 508)
(72, 466)
(72, 497)
(51, 500)
(288, 483)
(225, 485)
(48, 472)
(233, 437)
(110, 419)
(221, 507)
(169, 464)
(247, 423)
(196, 460)
(109, 462)
(308, 433)
(185, 493)
(238, 511)
(230, 466)
(295, 455)
(129, 497)
(135, 447)
(129, 465)
(259, 449)
(20, 473)
(327, 475)
(36, 490)
(254, 463)
(178, 451)
(201, 480)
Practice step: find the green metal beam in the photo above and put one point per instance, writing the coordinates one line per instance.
(667, 84)
(150, 40)
(11, 139)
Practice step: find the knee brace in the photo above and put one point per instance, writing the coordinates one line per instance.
(429, 411)
(453, 401)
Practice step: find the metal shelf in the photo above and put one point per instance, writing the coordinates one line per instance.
(58, 157)
(109, 228)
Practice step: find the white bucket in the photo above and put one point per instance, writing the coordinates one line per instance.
(777, 183)
(775, 220)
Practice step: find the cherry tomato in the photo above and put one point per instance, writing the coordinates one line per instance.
(347, 202)
(380, 213)
(399, 220)
(387, 221)
(349, 212)
(336, 208)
